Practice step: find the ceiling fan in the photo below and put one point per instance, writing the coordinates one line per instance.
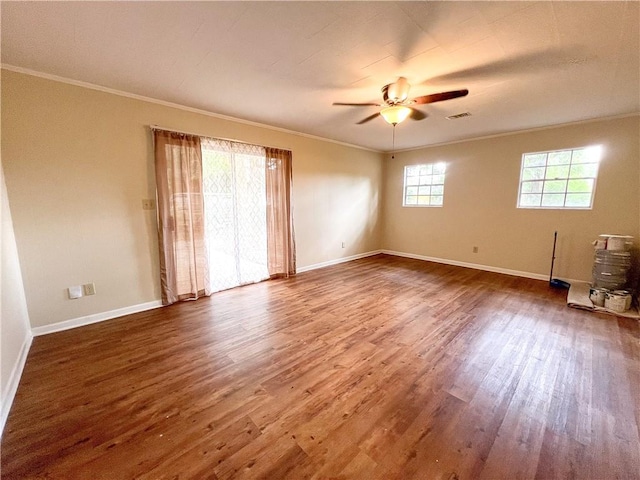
(397, 106)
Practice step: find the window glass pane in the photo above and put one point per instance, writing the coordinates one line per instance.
(536, 173)
(555, 186)
(578, 200)
(423, 200)
(579, 156)
(532, 187)
(586, 155)
(439, 168)
(552, 199)
(559, 158)
(584, 185)
(426, 179)
(535, 159)
(424, 191)
(437, 190)
(558, 171)
(584, 170)
(413, 180)
(412, 190)
(436, 200)
(530, 200)
(412, 171)
(438, 179)
(411, 200)
(426, 169)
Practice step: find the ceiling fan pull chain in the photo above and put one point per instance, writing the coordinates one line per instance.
(393, 142)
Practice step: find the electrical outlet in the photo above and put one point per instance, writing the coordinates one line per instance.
(89, 288)
(475, 249)
(148, 204)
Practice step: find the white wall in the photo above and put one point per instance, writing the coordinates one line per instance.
(15, 332)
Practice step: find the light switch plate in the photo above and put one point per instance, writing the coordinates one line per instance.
(75, 292)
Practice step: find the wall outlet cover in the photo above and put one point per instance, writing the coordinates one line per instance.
(75, 292)
(89, 288)
(148, 203)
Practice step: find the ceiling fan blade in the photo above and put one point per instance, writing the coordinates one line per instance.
(528, 63)
(439, 97)
(417, 114)
(368, 119)
(357, 104)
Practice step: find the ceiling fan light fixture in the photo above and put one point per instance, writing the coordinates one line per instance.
(395, 114)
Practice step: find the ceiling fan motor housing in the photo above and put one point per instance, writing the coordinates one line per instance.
(398, 92)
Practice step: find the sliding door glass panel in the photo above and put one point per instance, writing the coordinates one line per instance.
(235, 218)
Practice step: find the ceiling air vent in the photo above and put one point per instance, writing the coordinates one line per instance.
(459, 115)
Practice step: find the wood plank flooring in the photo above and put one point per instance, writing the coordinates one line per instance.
(381, 368)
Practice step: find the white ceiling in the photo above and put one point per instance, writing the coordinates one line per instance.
(526, 64)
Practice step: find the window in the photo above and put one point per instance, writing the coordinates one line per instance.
(424, 185)
(559, 179)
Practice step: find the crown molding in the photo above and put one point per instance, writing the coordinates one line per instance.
(517, 132)
(100, 88)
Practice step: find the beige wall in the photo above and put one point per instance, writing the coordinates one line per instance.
(15, 333)
(481, 190)
(78, 162)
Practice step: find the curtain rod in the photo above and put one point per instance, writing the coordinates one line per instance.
(157, 127)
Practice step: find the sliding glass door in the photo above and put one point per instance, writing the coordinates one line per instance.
(224, 218)
(234, 205)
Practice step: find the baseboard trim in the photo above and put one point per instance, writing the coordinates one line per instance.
(100, 317)
(94, 318)
(475, 266)
(14, 381)
(336, 261)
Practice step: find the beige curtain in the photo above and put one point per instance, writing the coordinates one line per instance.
(281, 248)
(183, 257)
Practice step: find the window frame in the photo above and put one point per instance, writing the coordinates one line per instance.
(404, 187)
(570, 164)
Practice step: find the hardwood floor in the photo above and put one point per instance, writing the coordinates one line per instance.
(381, 368)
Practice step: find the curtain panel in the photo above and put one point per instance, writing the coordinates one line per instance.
(181, 234)
(281, 247)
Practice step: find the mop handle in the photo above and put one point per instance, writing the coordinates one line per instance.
(553, 255)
